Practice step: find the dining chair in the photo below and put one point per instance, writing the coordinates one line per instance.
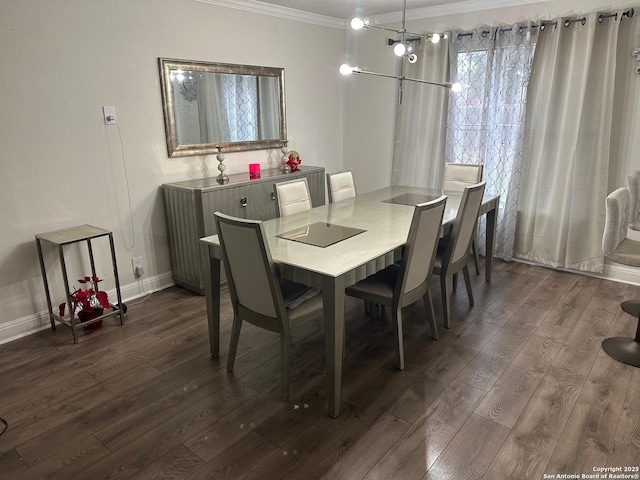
(453, 252)
(405, 282)
(618, 248)
(633, 184)
(292, 197)
(341, 186)
(456, 177)
(258, 295)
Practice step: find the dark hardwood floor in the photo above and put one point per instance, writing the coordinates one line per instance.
(517, 388)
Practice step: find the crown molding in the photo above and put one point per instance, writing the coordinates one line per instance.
(287, 13)
(278, 11)
(450, 9)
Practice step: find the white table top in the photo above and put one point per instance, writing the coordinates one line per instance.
(386, 225)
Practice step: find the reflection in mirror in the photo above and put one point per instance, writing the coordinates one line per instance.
(238, 107)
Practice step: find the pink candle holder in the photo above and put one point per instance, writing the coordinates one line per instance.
(254, 170)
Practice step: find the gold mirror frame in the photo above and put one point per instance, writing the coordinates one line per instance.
(174, 149)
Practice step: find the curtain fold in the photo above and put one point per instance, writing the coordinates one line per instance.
(211, 109)
(268, 108)
(567, 144)
(420, 130)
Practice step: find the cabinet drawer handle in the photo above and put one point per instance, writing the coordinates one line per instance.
(243, 201)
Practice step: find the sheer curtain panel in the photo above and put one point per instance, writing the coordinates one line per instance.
(486, 119)
(567, 142)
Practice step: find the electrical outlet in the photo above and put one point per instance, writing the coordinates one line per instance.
(138, 268)
(109, 114)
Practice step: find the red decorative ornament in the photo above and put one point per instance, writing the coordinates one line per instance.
(293, 160)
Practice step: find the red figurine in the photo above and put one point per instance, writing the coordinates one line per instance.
(293, 161)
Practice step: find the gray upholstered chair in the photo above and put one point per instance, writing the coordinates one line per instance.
(292, 197)
(453, 253)
(633, 184)
(620, 249)
(258, 295)
(340, 186)
(456, 177)
(403, 283)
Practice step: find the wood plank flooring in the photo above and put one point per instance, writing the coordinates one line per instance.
(517, 388)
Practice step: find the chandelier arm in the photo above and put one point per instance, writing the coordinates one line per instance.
(399, 77)
(385, 28)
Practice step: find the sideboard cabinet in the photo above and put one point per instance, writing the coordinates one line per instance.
(189, 208)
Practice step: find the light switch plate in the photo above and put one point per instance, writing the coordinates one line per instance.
(109, 114)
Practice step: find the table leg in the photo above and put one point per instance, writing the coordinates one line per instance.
(212, 295)
(492, 222)
(46, 284)
(72, 315)
(333, 306)
(116, 278)
(91, 260)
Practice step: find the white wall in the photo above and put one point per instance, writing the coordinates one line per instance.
(61, 166)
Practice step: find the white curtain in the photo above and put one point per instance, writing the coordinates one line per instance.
(240, 100)
(269, 107)
(211, 108)
(228, 107)
(418, 156)
(567, 142)
(486, 120)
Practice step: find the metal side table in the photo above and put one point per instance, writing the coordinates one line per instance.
(67, 236)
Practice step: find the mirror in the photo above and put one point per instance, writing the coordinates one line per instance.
(236, 107)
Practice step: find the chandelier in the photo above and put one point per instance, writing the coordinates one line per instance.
(403, 47)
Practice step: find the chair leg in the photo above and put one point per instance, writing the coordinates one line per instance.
(476, 255)
(431, 317)
(285, 348)
(467, 282)
(445, 300)
(397, 333)
(233, 345)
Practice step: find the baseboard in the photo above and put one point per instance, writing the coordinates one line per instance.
(40, 321)
(621, 273)
(612, 271)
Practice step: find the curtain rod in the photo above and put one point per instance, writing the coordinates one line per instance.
(545, 23)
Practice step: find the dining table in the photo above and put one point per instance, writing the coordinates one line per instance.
(374, 230)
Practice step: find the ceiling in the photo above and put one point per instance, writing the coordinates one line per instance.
(347, 9)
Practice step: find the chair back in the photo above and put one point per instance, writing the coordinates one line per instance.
(340, 186)
(460, 175)
(250, 270)
(292, 197)
(422, 243)
(463, 226)
(617, 220)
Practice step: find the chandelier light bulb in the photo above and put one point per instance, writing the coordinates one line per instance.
(435, 38)
(456, 87)
(357, 23)
(346, 69)
(399, 49)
